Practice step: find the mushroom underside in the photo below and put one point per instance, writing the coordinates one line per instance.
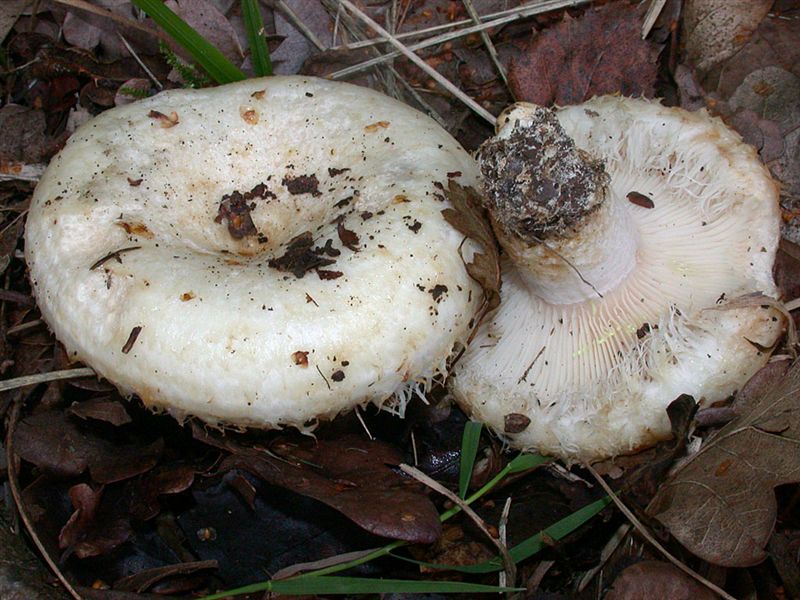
(603, 324)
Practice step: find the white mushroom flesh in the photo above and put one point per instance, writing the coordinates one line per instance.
(601, 328)
(159, 240)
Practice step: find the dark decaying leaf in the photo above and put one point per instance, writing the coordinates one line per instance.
(351, 474)
(54, 443)
(469, 217)
(278, 530)
(600, 52)
(101, 409)
(720, 504)
(95, 527)
(143, 493)
(24, 138)
(144, 580)
(654, 579)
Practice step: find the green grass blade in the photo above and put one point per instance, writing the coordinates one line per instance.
(360, 585)
(207, 55)
(525, 462)
(530, 546)
(469, 450)
(254, 25)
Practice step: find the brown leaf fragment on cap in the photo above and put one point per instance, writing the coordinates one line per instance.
(640, 200)
(235, 209)
(132, 339)
(300, 358)
(348, 238)
(333, 171)
(376, 126)
(300, 258)
(165, 121)
(324, 274)
(136, 229)
(515, 423)
(302, 184)
(338, 375)
(469, 217)
(135, 182)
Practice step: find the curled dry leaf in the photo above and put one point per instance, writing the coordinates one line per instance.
(600, 52)
(468, 217)
(94, 528)
(720, 504)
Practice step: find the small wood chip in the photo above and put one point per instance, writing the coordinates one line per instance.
(132, 339)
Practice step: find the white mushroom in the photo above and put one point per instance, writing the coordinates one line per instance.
(265, 253)
(626, 226)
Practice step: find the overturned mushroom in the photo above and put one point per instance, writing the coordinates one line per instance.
(627, 227)
(266, 253)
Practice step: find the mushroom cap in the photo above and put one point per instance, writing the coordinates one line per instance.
(594, 376)
(265, 253)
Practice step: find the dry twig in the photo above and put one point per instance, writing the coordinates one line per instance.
(18, 382)
(433, 73)
(497, 18)
(487, 41)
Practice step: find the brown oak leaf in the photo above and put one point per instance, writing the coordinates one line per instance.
(600, 52)
(720, 504)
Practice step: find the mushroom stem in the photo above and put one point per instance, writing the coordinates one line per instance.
(551, 209)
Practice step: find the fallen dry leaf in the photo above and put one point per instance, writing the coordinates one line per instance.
(351, 474)
(720, 504)
(210, 23)
(56, 444)
(93, 529)
(714, 30)
(468, 217)
(600, 52)
(296, 48)
(24, 139)
(654, 579)
(101, 409)
(10, 10)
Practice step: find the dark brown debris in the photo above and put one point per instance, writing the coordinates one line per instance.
(234, 209)
(299, 257)
(302, 184)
